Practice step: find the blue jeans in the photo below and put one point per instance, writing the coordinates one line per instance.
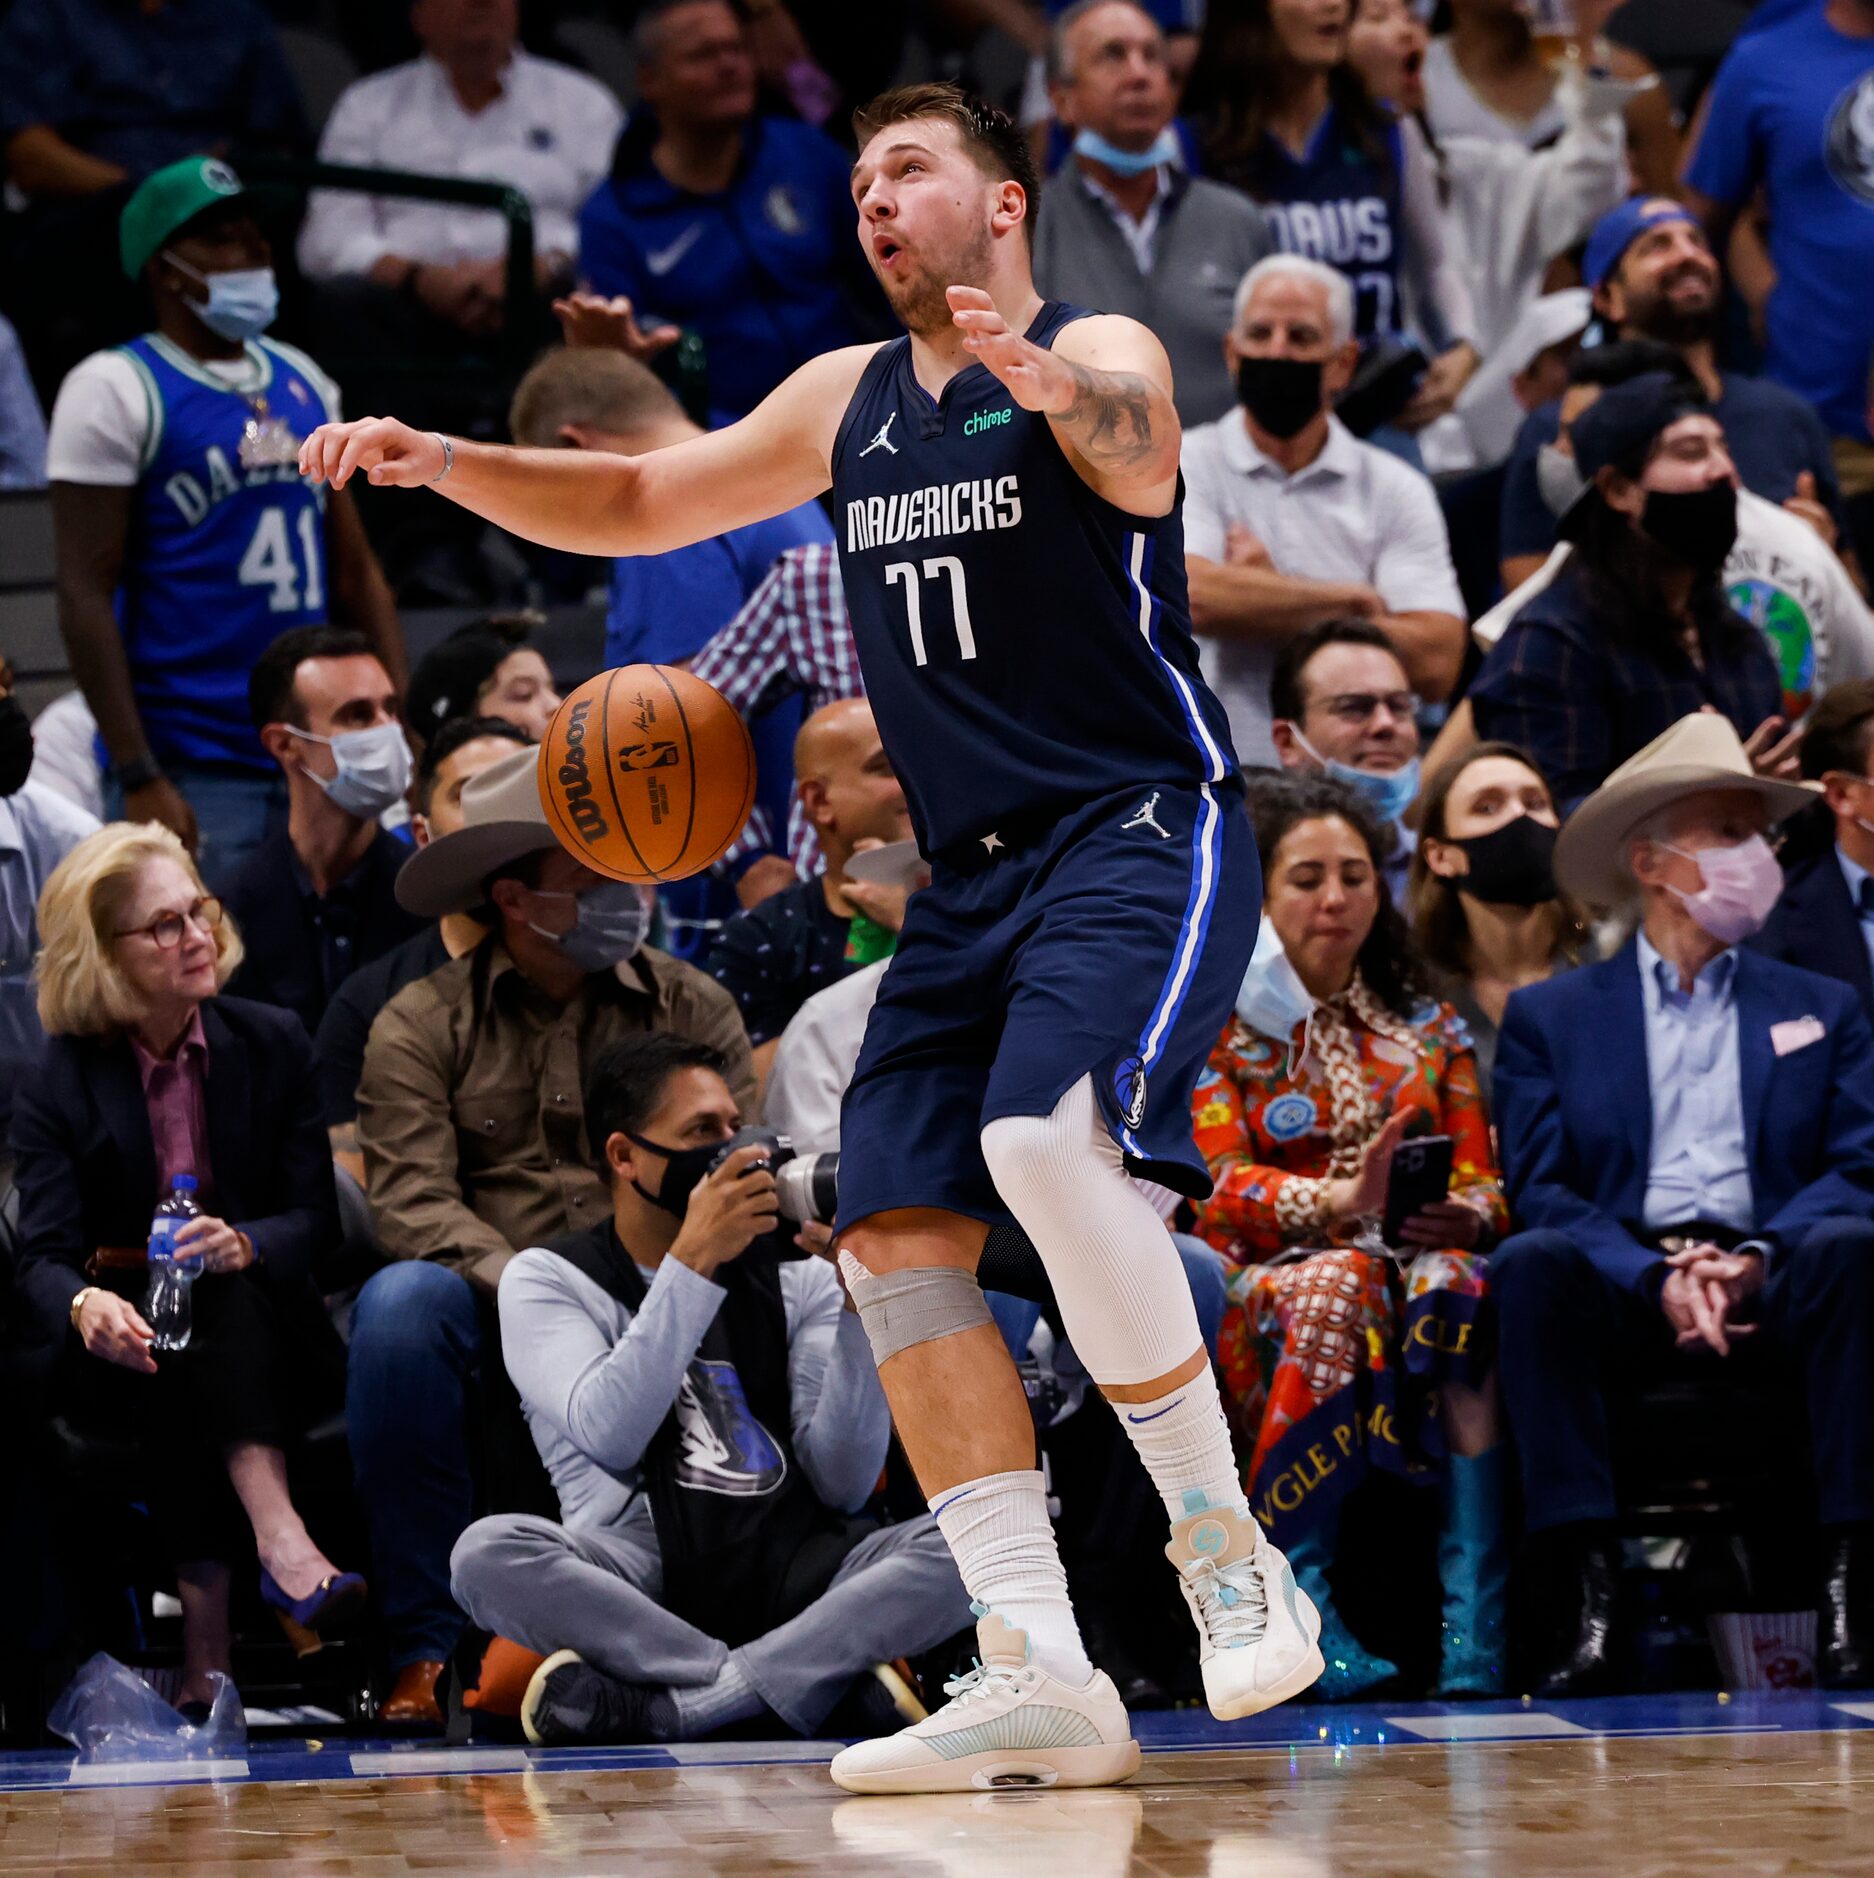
(416, 1344)
(1204, 1272)
(234, 814)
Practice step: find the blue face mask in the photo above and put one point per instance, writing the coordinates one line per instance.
(1165, 148)
(1273, 1000)
(241, 304)
(1391, 792)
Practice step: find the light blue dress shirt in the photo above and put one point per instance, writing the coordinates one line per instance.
(1700, 1167)
(1855, 876)
(38, 828)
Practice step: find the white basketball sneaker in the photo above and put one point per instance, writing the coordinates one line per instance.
(1008, 1723)
(1260, 1630)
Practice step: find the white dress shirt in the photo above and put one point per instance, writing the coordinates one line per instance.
(549, 133)
(1353, 514)
(1699, 1168)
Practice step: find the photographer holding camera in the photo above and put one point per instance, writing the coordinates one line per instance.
(709, 1411)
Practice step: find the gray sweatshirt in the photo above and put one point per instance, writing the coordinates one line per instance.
(596, 1381)
(1209, 236)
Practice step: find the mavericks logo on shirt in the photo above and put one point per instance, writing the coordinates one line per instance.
(1848, 142)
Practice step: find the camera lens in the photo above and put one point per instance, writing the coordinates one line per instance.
(808, 1188)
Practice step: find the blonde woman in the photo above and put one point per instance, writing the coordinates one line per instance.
(149, 1074)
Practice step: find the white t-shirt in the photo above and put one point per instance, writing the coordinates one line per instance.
(1354, 514)
(102, 424)
(550, 134)
(1783, 577)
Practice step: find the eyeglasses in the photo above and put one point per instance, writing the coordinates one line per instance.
(1354, 708)
(167, 928)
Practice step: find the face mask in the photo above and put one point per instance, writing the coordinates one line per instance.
(1391, 792)
(1164, 149)
(1282, 395)
(241, 304)
(1558, 479)
(1511, 866)
(16, 746)
(684, 1170)
(1697, 525)
(1273, 999)
(1741, 885)
(373, 769)
(609, 926)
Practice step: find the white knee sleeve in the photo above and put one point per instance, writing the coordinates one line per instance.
(1115, 1272)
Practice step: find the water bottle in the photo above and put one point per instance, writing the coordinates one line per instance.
(167, 1309)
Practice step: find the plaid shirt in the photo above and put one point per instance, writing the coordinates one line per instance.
(792, 634)
(1566, 685)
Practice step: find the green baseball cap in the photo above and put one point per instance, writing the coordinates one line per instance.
(163, 202)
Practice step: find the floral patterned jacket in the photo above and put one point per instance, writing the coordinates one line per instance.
(1276, 1139)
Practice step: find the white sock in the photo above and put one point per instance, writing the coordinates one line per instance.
(998, 1532)
(1185, 1444)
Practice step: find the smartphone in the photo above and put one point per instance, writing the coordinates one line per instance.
(1419, 1177)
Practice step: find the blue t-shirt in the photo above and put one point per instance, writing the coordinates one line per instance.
(1773, 436)
(766, 271)
(1792, 111)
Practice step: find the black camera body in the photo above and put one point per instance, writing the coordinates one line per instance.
(807, 1185)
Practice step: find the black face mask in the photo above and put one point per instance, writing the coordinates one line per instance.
(1511, 866)
(1697, 526)
(1280, 394)
(684, 1172)
(16, 746)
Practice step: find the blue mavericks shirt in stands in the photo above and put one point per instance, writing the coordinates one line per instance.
(1792, 111)
(1773, 436)
(1026, 645)
(227, 545)
(763, 270)
(1338, 204)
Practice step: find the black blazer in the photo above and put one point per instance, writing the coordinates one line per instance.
(86, 1168)
(1815, 925)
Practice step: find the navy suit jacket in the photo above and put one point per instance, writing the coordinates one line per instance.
(86, 1169)
(1575, 1114)
(1815, 925)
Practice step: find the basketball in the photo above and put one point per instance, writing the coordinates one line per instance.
(647, 774)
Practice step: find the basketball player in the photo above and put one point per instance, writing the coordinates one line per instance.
(1005, 482)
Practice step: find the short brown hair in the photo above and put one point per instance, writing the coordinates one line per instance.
(1837, 733)
(587, 385)
(993, 138)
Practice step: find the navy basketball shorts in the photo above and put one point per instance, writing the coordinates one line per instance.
(1113, 944)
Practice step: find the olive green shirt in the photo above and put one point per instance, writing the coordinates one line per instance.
(470, 1113)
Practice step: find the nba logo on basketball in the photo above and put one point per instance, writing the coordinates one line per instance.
(647, 755)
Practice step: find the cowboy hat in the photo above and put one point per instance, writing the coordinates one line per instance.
(503, 820)
(1699, 753)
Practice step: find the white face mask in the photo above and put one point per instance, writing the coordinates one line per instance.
(1273, 1000)
(373, 768)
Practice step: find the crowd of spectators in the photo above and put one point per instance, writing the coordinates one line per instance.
(1528, 498)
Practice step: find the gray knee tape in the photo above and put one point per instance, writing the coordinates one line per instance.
(899, 1309)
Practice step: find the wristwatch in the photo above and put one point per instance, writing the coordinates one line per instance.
(138, 773)
(78, 1303)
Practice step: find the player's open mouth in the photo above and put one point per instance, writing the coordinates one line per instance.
(886, 250)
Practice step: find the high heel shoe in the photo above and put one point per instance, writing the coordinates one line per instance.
(326, 1609)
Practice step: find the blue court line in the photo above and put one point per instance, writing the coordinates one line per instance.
(1185, 1731)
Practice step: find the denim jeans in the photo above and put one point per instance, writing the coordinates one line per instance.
(234, 814)
(416, 1345)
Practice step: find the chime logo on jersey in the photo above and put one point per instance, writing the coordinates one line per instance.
(964, 508)
(724, 1449)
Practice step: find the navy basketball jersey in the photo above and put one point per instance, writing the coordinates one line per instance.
(1339, 205)
(227, 543)
(1025, 644)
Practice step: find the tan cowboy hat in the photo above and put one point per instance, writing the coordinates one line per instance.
(504, 821)
(1698, 753)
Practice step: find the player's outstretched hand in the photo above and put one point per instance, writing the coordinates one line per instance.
(380, 448)
(1036, 379)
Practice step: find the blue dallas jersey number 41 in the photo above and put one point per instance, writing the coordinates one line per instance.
(228, 541)
(1025, 644)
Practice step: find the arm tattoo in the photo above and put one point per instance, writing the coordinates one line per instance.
(1110, 419)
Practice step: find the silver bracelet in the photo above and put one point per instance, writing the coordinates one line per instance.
(448, 458)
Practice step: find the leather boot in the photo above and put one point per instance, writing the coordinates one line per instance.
(1583, 1667)
(1845, 1656)
(412, 1701)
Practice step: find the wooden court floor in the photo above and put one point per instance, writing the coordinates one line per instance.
(1796, 1802)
